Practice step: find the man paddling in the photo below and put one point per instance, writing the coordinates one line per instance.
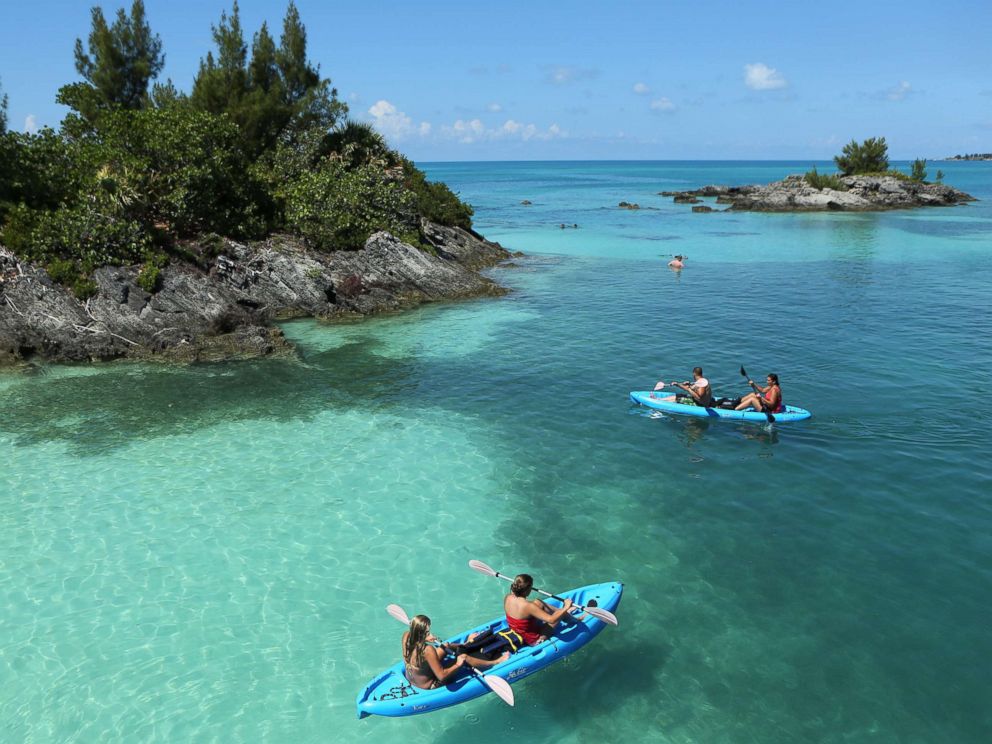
(698, 393)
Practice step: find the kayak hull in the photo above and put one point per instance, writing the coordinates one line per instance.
(390, 694)
(666, 402)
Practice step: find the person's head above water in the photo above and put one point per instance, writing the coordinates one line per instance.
(522, 585)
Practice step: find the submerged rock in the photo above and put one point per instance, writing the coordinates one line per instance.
(226, 308)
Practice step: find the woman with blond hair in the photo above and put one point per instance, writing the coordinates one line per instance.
(424, 663)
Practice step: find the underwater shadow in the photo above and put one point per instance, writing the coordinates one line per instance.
(94, 413)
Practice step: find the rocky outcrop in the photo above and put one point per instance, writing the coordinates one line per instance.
(702, 208)
(860, 194)
(628, 205)
(225, 308)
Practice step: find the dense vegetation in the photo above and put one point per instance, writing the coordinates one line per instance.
(260, 144)
(869, 158)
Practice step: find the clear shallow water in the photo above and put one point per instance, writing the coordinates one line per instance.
(205, 553)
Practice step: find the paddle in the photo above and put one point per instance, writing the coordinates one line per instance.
(597, 612)
(497, 684)
(771, 418)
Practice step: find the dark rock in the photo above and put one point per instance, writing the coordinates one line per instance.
(628, 205)
(225, 310)
(686, 199)
(526, 202)
(702, 208)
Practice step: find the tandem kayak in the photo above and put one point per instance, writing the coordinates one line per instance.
(666, 402)
(390, 694)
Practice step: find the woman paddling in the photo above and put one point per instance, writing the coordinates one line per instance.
(424, 664)
(531, 618)
(765, 399)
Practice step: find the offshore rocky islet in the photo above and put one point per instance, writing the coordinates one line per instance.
(794, 194)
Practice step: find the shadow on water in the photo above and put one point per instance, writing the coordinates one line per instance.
(590, 687)
(109, 409)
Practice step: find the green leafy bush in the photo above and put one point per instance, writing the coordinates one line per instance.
(871, 156)
(185, 167)
(151, 272)
(434, 200)
(334, 208)
(824, 180)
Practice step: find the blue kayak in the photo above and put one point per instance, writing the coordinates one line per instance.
(666, 402)
(390, 694)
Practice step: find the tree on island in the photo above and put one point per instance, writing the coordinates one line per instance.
(871, 156)
(277, 88)
(3, 111)
(919, 171)
(121, 61)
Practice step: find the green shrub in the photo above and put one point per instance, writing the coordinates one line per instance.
(151, 272)
(334, 208)
(434, 200)
(871, 156)
(919, 172)
(185, 169)
(824, 180)
(939, 178)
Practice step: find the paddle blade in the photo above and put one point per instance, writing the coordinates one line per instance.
(498, 685)
(743, 373)
(481, 568)
(397, 612)
(605, 615)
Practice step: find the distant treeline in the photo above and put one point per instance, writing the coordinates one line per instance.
(260, 144)
(973, 156)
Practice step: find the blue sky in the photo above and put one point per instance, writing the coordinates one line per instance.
(590, 80)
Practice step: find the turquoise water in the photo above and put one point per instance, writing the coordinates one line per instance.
(205, 553)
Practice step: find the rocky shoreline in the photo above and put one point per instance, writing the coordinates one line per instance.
(860, 194)
(225, 306)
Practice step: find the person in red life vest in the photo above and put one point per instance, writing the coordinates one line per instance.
(531, 618)
(765, 399)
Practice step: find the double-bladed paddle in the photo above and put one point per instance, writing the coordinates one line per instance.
(597, 612)
(771, 418)
(497, 684)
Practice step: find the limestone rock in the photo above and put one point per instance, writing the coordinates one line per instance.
(226, 308)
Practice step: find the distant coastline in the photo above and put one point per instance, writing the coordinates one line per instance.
(973, 156)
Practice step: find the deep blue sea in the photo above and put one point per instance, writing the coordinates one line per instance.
(205, 553)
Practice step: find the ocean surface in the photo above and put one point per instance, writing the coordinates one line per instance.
(205, 553)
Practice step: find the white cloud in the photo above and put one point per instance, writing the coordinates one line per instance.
(899, 92)
(390, 121)
(641, 89)
(424, 129)
(354, 98)
(662, 104)
(31, 124)
(467, 132)
(494, 107)
(760, 76)
(563, 74)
